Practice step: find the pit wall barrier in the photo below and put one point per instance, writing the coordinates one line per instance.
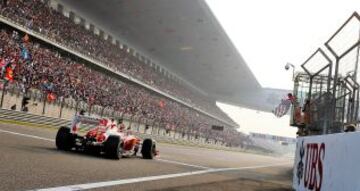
(327, 163)
(60, 113)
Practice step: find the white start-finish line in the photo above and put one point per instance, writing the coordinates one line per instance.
(149, 178)
(120, 182)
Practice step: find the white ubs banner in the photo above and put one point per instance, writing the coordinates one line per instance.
(327, 163)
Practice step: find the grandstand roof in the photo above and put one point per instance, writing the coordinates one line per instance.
(183, 36)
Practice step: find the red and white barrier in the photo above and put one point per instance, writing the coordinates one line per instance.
(327, 163)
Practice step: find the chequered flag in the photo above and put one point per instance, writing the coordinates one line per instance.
(282, 108)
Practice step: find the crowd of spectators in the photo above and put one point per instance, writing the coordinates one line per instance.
(40, 66)
(37, 15)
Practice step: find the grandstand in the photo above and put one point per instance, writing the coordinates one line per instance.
(64, 64)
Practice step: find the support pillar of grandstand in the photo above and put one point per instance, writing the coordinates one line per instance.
(92, 28)
(110, 38)
(72, 16)
(60, 8)
(82, 22)
(102, 34)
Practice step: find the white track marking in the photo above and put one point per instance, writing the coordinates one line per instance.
(26, 135)
(183, 164)
(148, 178)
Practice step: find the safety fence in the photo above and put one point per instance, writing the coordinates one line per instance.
(327, 90)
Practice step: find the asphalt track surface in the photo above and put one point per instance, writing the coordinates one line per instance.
(30, 161)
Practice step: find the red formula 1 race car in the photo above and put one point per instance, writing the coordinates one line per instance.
(105, 139)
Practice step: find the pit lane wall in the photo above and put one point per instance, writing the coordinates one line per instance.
(327, 162)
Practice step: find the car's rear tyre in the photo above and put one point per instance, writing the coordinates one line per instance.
(64, 139)
(113, 148)
(148, 149)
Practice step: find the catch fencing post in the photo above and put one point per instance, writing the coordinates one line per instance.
(90, 106)
(146, 125)
(61, 106)
(138, 125)
(44, 104)
(159, 127)
(76, 106)
(131, 120)
(152, 127)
